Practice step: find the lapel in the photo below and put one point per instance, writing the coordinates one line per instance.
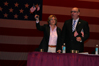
(48, 29)
(78, 24)
(70, 25)
(57, 31)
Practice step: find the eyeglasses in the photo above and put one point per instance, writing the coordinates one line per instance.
(74, 11)
(52, 19)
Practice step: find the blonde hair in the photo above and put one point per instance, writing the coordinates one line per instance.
(49, 18)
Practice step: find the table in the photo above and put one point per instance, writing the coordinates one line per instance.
(56, 59)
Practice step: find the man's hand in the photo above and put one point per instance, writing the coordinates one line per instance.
(78, 39)
(82, 34)
(59, 51)
(75, 33)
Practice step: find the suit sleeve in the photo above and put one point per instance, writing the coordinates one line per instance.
(63, 34)
(39, 27)
(59, 36)
(86, 32)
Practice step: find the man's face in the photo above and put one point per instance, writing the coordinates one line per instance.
(75, 13)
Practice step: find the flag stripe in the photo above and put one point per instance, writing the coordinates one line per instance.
(31, 48)
(20, 32)
(89, 49)
(67, 10)
(34, 41)
(13, 62)
(21, 55)
(72, 3)
(24, 24)
(31, 24)
(90, 0)
(32, 33)
(91, 43)
(63, 18)
(20, 40)
(18, 47)
(13, 55)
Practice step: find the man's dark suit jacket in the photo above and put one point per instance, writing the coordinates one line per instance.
(44, 43)
(68, 36)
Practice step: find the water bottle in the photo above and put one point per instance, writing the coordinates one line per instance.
(96, 50)
(64, 48)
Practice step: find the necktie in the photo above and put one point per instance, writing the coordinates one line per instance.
(73, 26)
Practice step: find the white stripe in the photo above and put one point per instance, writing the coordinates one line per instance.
(13, 56)
(31, 24)
(90, 0)
(24, 24)
(66, 11)
(91, 43)
(94, 28)
(20, 40)
(35, 40)
(56, 10)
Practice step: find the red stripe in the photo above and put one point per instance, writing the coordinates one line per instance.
(20, 32)
(13, 63)
(94, 36)
(63, 18)
(29, 48)
(33, 33)
(17, 47)
(72, 3)
(89, 49)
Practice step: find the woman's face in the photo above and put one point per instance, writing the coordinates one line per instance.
(52, 21)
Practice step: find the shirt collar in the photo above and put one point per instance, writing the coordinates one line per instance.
(54, 28)
(76, 20)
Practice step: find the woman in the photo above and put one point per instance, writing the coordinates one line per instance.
(51, 36)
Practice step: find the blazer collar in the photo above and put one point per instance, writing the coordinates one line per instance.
(78, 23)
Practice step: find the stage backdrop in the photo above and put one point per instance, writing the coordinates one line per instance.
(18, 33)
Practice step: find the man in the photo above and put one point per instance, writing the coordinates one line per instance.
(74, 32)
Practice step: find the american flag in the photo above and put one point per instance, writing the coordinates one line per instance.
(18, 35)
(32, 9)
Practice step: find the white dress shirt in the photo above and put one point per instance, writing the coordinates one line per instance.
(75, 23)
(53, 36)
(52, 40)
